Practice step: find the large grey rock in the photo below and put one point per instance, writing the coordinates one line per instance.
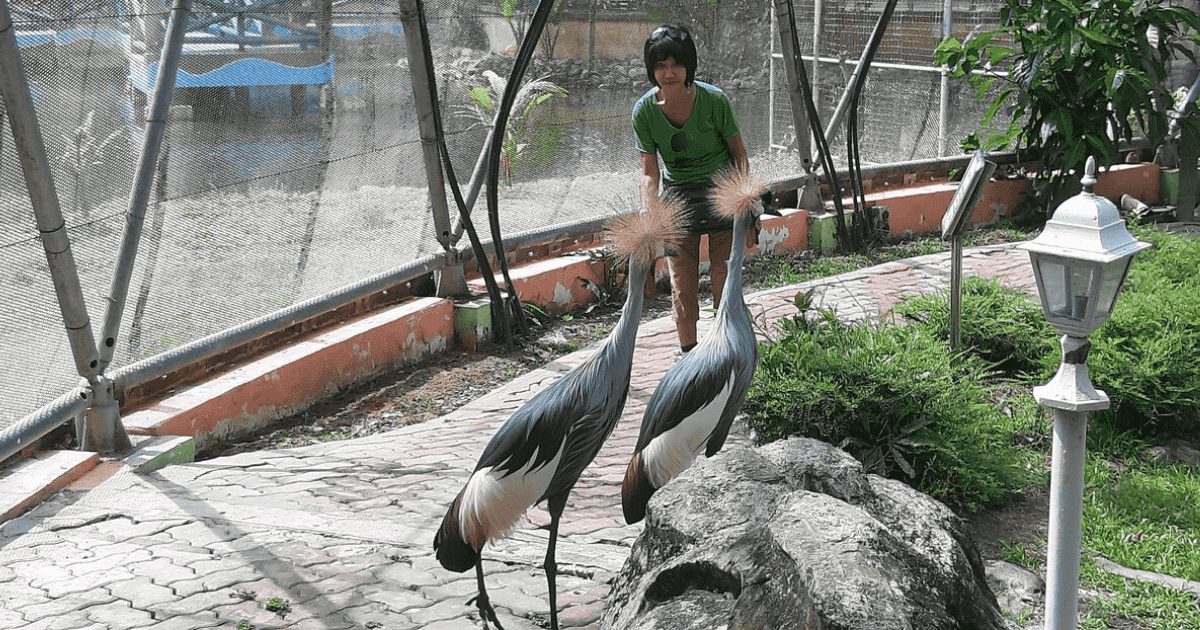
(1017, 589)
(796, 535)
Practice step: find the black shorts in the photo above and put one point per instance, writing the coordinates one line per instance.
(699, 215)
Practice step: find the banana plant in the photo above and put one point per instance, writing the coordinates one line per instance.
(521, 134)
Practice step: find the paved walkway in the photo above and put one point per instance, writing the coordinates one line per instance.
(338, 535)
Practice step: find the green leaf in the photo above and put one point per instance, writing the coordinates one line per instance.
(482, 97)
(1097, 36)
(995, 54)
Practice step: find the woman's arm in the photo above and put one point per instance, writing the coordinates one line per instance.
(737, 150)
(650, 176)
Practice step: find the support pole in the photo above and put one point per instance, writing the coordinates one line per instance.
(143, 182)
(818, 25)
(860, 68)
(944, 100)
(39, 179)
(450, 280)
(791, 57)
(956, 250)
(476, 183)
(793, 63)
(1066, 511)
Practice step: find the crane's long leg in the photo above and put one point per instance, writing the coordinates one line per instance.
(486, 612)
(555, 508)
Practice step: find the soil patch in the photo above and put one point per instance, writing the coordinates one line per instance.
(438, 385)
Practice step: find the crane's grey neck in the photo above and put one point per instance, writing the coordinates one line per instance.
(625, 334)
(732, 293)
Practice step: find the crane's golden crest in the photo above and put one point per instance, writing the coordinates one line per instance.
(735, 190)
(641, 236)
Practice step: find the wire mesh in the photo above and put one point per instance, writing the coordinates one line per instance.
(288, 172)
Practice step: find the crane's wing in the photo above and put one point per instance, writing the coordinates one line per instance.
(536, 431)
(588, 434)
(690, 384)
(743, 375)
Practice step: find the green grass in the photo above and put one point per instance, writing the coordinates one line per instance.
(1141, 515)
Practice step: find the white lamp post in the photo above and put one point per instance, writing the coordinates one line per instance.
(1080, 261)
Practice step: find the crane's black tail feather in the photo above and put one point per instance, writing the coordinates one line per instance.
(636, 490)
(453, 550)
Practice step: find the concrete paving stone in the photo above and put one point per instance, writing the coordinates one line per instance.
(444, 610)
(582, 615)
(398, 600)
(100, 559)
(196, 621)
(193, 604)
(85, 582)
(10, 618)
(39, 573)
(339, 587)
(518, 602)
(252, 613)
(201, 533)
(162, 571)
(264, 589)
(77, 620)
(119, 614)
(373, 615)
(334, 622)
(63, 605)
(405, 575)
(141, 592)
(216, 580)
(181, 554)
(463, 587)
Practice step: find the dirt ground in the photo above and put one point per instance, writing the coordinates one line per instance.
(438, 385)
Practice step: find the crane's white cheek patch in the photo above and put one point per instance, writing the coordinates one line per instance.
(493, 503)
(672, 452)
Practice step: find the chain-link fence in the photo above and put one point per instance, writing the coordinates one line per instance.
(292, 164)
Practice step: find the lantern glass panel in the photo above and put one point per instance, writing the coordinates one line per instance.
(1110, 284)
(1068, 288)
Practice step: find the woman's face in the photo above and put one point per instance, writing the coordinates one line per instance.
(670, 74)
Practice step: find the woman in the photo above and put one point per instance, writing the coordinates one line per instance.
(692, 127)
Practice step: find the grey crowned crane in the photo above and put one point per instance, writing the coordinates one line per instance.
(540, 451)
(693, 406)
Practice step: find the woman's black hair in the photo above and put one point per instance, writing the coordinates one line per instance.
(673, 41)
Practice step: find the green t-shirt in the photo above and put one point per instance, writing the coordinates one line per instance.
(693, 153)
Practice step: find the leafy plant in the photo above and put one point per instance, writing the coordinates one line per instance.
(1071, 77)
(999, 325)
(524, 134)
(1144, 356)
(893, 398)
(278, 605)
(516, 16)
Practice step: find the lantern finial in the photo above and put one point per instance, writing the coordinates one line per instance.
(1089, 174)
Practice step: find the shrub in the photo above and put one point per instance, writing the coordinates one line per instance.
(892, 397)
(999, 325)
(1144, 357)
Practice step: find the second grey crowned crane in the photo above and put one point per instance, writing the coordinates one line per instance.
(693, 406)
(540, 451)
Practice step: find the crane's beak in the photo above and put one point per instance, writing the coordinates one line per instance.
(670, 251)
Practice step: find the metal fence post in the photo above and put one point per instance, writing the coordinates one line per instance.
(39, 179)
(144, 177)
(450, 279)
(818, 24)
(944, 100)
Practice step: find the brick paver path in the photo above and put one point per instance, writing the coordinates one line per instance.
(340, 533)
